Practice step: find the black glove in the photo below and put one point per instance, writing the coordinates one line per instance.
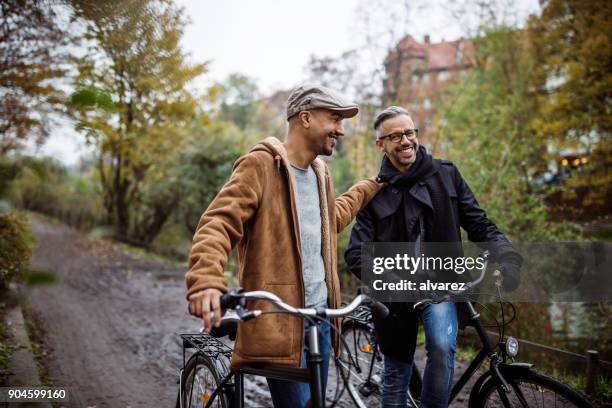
(510, 267)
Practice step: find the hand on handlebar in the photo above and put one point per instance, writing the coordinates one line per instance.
(202, 303)
(510, 268)
(378, 309)
(236, 300)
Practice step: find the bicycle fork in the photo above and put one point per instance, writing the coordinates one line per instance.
(502, 385)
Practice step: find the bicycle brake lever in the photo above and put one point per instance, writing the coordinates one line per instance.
(230, 315)
(431, 301)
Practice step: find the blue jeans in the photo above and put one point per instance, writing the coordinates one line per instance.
(441, 326)
(290, 394)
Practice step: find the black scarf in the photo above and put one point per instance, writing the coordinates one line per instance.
(422, 166)
(424, 169)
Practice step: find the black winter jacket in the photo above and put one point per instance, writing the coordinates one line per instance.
(393, 216)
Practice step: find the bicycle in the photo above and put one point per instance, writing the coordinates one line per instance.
(206, 379)
(505, 384)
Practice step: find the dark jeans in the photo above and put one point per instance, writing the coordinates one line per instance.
(289, 394)
(440, 324)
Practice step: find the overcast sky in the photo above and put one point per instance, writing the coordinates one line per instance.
(272, 40)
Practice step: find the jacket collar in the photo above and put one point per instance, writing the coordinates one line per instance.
(276, 148)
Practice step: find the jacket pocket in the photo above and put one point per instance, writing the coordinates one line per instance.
(271, 336)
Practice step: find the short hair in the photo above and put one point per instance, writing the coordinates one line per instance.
(387, 113)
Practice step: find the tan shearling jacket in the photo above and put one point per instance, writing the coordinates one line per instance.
(256, 210)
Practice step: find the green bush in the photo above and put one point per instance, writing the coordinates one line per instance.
(35, 192)
(81, 204)
(45, 186)
(8, 172)
(16, 242)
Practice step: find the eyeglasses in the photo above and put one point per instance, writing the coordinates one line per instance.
(396, 137)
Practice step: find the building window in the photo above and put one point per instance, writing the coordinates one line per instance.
(459, 55)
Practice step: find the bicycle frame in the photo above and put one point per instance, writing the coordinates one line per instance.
(312, 375)
(487, 351)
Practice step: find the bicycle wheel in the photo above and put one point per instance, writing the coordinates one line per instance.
(531, 390)
(199, 380)
(361, 367)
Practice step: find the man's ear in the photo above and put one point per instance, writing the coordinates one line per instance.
(379, 143)
(305, 118)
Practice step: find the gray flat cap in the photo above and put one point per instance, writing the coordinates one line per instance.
(310, 96)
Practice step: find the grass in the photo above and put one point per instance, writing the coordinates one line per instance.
(5, 349)
(421, 338)
(5, 352)
(30, 278)
(148, 254)
(36, 334)
(468, 353)
(37, 277)
(578, 381)
(603, 388)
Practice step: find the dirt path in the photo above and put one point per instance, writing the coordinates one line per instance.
(112, 322)
(111, 319)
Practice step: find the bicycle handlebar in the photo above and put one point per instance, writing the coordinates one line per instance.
(234, 303)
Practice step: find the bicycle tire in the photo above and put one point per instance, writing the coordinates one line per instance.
(200, 372)
(537, 390)
(360, 340)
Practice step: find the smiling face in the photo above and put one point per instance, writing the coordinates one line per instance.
(403, 153)
(325, 129)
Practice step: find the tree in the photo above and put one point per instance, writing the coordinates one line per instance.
(490, 134)
(237, 97)
(134, 105)
(573, 44)
(31, 61)
(205, 167)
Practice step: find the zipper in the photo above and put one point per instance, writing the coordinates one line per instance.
(329, 202)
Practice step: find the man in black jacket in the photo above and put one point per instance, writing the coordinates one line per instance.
(426, 200)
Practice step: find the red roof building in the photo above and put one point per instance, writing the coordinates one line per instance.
(418, 75)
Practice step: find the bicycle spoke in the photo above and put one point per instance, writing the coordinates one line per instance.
(191, 389)
(352, 372)
(362, 370)
(535, 398)
(533, 391)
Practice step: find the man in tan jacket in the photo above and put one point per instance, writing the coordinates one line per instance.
(278, 208)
